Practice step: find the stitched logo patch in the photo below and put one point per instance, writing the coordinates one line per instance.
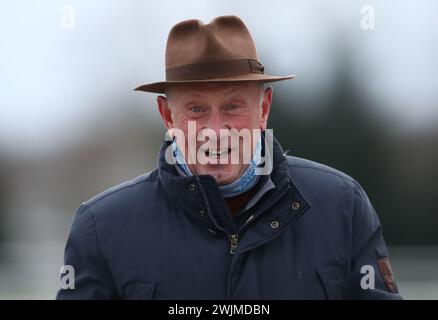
(386, 272)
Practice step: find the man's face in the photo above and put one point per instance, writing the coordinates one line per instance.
(216, 106)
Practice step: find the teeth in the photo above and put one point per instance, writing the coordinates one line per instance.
(218, 153)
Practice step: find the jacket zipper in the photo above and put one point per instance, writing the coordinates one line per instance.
(233, 238)
(207, 205)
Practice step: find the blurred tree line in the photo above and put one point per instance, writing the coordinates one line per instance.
(398, 171)
(3, 204)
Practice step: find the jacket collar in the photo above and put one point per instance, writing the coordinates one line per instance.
(193, 194)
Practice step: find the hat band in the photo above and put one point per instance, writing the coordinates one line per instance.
(200, 71)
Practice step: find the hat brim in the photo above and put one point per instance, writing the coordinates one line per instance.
(160, 87)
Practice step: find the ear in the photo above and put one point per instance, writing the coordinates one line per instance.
(266, 107)
(165, 112)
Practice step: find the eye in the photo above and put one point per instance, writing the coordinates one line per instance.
(233, 107)
(196, 109)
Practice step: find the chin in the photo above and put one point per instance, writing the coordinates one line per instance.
(222, 174)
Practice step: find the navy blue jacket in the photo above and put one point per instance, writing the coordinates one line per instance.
(315, 235)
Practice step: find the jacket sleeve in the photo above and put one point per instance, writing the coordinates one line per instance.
(370, 273)
(91, 276)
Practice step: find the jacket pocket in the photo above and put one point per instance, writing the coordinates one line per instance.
(331, 280)
(139, 290)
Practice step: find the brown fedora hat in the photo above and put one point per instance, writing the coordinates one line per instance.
(220, 51)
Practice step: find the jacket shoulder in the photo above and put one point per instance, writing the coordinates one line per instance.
(333, 193)
(122, 195)
(314, 175)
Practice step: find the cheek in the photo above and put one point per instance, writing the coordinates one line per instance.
(245, 121)
(180, 121)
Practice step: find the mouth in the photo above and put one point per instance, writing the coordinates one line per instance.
(217, 154)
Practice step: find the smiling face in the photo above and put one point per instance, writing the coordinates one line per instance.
(212, 107)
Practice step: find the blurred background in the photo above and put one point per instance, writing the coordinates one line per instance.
(365, 101)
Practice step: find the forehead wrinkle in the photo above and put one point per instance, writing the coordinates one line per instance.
(203, 92)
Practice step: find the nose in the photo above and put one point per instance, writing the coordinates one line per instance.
(211, 129)
(215, 123)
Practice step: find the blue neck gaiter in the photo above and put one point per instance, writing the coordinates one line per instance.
(244, 183)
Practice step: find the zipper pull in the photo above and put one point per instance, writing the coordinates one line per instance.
(234, 240)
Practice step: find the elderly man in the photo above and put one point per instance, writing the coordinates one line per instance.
(219, 219)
